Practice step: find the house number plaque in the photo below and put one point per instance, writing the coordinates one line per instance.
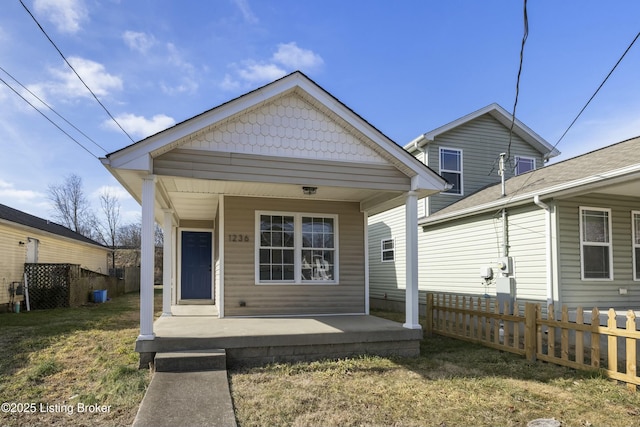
(238, 237)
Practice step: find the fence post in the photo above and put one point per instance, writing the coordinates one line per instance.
(530, 331)
(631, 350)
(428, 327)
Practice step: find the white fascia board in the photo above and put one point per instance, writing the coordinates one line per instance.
(576, 187)
(500, 114)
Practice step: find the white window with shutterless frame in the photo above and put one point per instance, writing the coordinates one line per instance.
(296, 248)
(596, 251)
(635, 246)
(451, 170)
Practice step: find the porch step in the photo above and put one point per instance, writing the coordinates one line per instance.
(191, 361)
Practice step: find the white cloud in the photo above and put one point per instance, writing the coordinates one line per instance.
(187, 85)
(139, 125)
(257, 73)
(290, 55)
(246, 11)
(67, 15)
(140, 42)
(66, 84)
(29, 201)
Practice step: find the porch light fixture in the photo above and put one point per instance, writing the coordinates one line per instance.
(309, 190)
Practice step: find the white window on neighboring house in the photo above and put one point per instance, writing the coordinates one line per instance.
(635, 235)
(388, 250)
(451, 169)
(596, 252)
(296, 248)
(524, 164)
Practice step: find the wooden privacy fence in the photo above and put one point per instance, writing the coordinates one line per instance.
(580, 344)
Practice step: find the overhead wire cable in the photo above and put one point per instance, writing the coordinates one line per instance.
(48, 118)
(74, 70)
(533, 172)
(515, 102)
(52, 109)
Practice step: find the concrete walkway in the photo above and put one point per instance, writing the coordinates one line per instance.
(196, 399)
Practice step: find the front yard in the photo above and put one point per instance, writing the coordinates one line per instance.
(77, 367)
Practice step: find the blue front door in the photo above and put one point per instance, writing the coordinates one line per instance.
(195, 277)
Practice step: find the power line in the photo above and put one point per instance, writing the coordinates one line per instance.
(515, 103)
(579, 114)
(52, 109)
(74, 70)
(46, 117)
(599, 87)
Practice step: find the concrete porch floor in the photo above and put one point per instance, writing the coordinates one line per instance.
(255, 341)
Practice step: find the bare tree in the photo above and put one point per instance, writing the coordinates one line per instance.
(71, 207)
(108, 228)
(130, 235)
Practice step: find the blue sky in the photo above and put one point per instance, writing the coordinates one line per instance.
(405, 66)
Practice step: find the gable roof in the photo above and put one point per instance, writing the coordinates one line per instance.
(616, 167)
(161, 142)
(15, 216)
(501, 115)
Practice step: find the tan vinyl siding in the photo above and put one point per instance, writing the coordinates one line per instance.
(247, 167)
(481, 141)
(600, 293)
(387, 278)
(347, 296)
(50, 250)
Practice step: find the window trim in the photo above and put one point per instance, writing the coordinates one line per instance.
(609, 244)
(392, 250)
(461, 171)
(297, 249)
(634, 245)
(517, 160)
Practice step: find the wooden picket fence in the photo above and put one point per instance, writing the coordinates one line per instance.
(527, 332)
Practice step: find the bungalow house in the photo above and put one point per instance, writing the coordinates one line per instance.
(264, 203)
(567, 233)
(25, 238)
(466, 152)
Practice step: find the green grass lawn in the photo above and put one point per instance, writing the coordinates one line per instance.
(67, 358)
(60, 362)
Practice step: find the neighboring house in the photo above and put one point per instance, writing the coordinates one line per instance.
(466, 152)
(25, 238)
(264, 202)
(568, 233)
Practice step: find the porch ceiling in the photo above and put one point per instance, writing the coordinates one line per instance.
(197, 199)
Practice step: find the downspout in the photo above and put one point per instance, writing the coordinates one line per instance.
(539, 203)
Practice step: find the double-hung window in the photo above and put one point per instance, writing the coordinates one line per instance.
(388, 250)
(451, 168)
(296, 248)
(524, 164)
(635, 235)
(596, 252)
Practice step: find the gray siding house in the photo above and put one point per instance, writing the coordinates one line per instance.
(466, 152)
(568, 233)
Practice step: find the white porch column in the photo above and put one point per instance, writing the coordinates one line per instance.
(411, 231)
(167, 262)
(147, 259)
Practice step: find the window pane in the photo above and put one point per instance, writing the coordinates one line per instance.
(637, 254)
(524, 165)
(596, 262)
(595, 226)
(453, 178)
(387, 244)
(387, 256)
(636, 225)
(450, 160)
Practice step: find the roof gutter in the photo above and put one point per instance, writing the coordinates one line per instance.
(548, 247)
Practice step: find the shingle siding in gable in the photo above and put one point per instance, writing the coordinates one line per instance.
(481, 141)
